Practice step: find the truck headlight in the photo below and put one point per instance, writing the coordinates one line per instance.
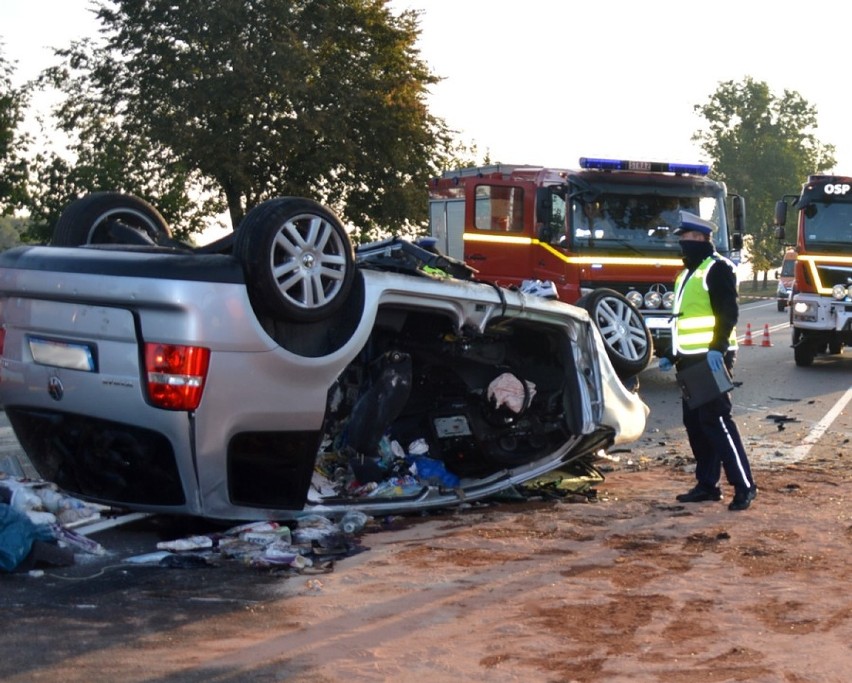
(840, 292)
(805, 311)
(653, 299)
(635, 298)
(668, 300)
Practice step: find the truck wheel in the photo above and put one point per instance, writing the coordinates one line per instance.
(625, 335)
(804, 350)
(835, 347)
(110, 218)
(297, 258)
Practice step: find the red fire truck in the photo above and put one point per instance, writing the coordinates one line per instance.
(821, 302)
(602, 234)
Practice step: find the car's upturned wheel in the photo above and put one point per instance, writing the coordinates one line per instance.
(625, 334)
(298, 259)
(110, 218)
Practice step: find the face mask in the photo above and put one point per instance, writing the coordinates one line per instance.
(695, 252)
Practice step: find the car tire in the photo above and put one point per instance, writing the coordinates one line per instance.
(110, 218)
(804, 350)
(781, 306)
(626, 336)
(297, 258)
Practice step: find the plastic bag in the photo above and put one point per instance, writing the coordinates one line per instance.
(17, 535)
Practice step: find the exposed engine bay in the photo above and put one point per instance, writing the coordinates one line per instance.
(479, 401)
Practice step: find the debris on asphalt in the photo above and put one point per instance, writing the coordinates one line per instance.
(191, 543)
(43, 503)
(781, 418)
(34, 526)
(19, 538)
(307, 544)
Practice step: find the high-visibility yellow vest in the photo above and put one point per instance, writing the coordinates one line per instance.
(694, 321)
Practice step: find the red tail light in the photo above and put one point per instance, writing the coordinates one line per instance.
(176, 375)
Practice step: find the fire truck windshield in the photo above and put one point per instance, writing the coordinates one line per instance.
(639, 220)
(828, 225)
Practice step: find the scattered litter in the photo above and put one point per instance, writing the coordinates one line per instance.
(260, 533)
(23, 543)
(573, 482)
(313, 527)
(304, 545)
(44, 504)
(147, 558)
(183, 544)
(353, 522)
(434, 472)
(780, 420)
(77, 541)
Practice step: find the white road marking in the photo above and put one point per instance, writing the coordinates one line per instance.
(800, 452)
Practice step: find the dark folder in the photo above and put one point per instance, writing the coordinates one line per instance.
(701, 385)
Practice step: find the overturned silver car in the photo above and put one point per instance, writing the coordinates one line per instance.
(281, 371)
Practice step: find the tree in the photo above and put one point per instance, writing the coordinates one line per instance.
(108, 154)
(13, 165)
(11, 230)
(319, 98)
(762, 147)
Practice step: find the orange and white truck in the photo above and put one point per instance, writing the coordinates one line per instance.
(603, 234)
(821, 302)
(786, 276)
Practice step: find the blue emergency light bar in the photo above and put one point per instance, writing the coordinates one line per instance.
(644, 166)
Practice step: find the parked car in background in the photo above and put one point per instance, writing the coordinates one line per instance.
(280, 371)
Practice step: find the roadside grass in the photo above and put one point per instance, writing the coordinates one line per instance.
(758, 290)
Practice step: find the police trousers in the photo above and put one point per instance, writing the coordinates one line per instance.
(716, 444)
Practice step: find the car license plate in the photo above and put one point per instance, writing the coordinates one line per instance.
(62, 354)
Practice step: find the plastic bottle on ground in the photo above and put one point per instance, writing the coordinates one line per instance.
(353, 522)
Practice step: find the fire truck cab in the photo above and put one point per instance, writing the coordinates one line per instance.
(821, 301)
(603, 234)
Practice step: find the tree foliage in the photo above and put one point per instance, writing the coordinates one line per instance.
(763, 147)
(11, 231)
(13, 165)
(318, 98)
(108, 154)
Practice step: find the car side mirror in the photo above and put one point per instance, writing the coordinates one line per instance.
(737, 241)
(543, 205)
(780, 213)
(738, 204)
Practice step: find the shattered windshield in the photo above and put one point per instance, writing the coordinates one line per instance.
(828, 225)
(640, 219)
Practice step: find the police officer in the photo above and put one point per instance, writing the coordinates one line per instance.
(706, 312)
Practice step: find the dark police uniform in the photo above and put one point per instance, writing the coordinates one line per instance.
(706, 313)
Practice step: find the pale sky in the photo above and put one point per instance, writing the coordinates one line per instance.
(545, 82)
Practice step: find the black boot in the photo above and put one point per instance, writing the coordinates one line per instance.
(699, 494)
